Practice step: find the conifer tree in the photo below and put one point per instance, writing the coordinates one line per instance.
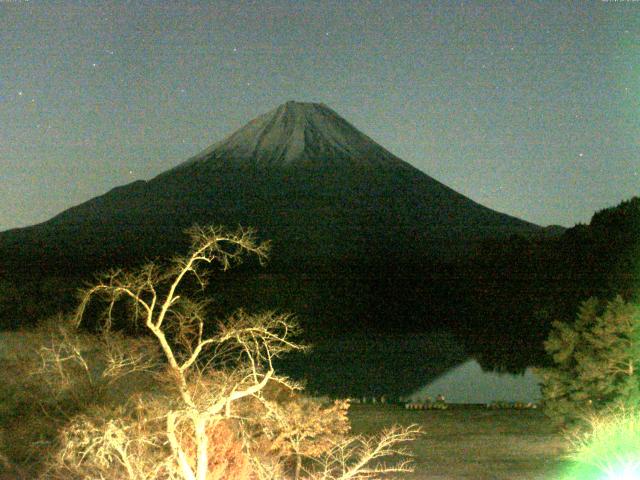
(596, 362)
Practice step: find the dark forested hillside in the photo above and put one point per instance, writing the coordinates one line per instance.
(500, 301)
(522, 284)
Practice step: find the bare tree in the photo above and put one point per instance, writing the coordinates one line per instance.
(361, 458)
(202, 382)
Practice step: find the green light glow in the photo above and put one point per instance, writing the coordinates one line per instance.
(610, 450)
(628, 471)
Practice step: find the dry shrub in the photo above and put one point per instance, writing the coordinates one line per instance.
(52, 374)
(304, 426)
(26, 434)
(226, 453)
(114, 442)
(285, 427)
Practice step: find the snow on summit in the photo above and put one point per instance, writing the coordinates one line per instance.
(297, 133)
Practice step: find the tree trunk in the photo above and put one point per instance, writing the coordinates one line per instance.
(202, 442)
(298, 466)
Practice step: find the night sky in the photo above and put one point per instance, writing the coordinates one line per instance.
(530, 108)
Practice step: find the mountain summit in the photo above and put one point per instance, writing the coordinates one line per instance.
(321, 190)
(298, 134)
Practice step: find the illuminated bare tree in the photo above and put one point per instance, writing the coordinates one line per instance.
(203, 381)
(177, 323)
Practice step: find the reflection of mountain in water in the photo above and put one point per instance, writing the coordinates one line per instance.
(467, 383)
(375, 365)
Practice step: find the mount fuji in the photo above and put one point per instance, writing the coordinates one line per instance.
(303, 176)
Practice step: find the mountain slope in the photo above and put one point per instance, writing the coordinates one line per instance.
(302, 175)
(298, 134)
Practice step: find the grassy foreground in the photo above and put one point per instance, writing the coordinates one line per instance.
(473, 443)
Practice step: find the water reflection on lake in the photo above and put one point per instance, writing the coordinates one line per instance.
(374, 365)
(467, 383)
